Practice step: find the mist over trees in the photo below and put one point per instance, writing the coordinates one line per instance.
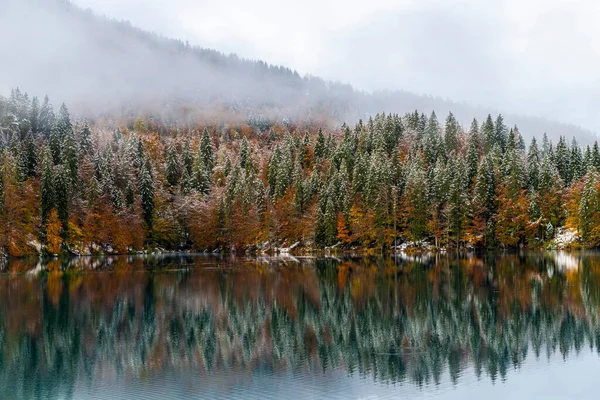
(68, 186)
(109, 68)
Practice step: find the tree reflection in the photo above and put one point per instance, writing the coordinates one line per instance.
(394, 321)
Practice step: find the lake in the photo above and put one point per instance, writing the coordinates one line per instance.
(195, 327)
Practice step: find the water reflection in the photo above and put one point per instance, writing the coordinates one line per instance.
(397, 321)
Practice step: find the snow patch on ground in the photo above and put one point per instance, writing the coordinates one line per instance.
(565, 238)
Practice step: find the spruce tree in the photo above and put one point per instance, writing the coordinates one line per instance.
(244, 153)
(596, 156)
(62, 183)
(472, 158)
(207, 153)
(577, 165)
(533, 165)
(451, 133)
(172, 169)
(589, 205)
(200, 179)
(46, 118)
(488, 133)
(320, 149)
(34, 115)
(561, 159)
(146, 186)
(85, 139)
(47, 185)
(70, 155)
(501, 133)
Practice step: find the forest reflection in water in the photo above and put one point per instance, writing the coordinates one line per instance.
(396, 321)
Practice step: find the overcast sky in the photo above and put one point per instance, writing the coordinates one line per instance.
(537, 57)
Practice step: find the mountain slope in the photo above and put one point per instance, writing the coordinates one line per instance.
(98, 64)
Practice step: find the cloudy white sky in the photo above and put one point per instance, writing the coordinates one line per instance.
(537, 57)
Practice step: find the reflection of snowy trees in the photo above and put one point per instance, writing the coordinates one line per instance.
(408, 324)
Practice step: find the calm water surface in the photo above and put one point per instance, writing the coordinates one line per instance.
(494, 326)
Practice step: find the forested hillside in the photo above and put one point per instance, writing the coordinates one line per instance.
(106, 68)
(70, 187)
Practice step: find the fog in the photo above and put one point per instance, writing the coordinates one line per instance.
(537, 57)
(458, 50)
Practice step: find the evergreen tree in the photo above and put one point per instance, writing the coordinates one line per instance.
(451, 133)
(320, 149)
(458, 200)
(46, 118)
(187, 160)
(488, 133)
(200, 179)
(577, 165)
(561, 160)
(596, 156)
(244, 153)
(70, 156)
(472, 158)
(589, 205)
(172, 169)
(485, 187)
(34, 115)
(85, 139)
(47, 185)
(546, 145)
(62, 183)
(147, 193)
(533, 165)
(501, 133)
(474, 134)
(416, 192)
(207, 153)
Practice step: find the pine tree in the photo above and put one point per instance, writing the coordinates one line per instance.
(451, 133)
(172, 169)
(472, 157)
(533, 165)
(431, 141)
(561, 160)
(458, 200)
(501, 133)
(47, 185)
(85, 139)
(147, 193)
(577, 165)
(200, 177)
(62, 182)
(546, 145)
(187, 160)
(46, 118)
(587, 158)
(70, 156)
(207, 153)
(244, 153)
(596, 156)
(34, 115)
(320, 149)
(488, 133)
(29, 155)
(416, 193)
(589, 206)
(485, 187)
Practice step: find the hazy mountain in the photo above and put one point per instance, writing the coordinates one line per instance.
(97, 64)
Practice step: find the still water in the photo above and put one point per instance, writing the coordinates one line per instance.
(194, 327)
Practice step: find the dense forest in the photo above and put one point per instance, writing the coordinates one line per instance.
(79, 187)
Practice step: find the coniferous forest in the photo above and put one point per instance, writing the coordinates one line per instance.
(109, 185)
